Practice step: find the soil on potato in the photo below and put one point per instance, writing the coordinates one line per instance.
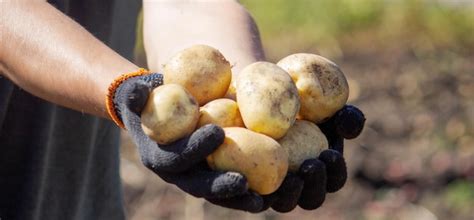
(415, 157)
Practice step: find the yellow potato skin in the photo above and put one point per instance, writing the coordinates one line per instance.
(231, 93)
(202, 70)
(170, 113)
(268, 99)
(258, 157)
(322, 86)
(303, 141)
(222, 112)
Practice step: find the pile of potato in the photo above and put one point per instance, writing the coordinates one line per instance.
(269, 125)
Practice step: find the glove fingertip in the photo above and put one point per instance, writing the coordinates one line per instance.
(210, 134)
(215, 131)
(202, 142)
(312, 202)
(335, 168)
(134, 92)
(313, 172)
(250, 202)
(349, 121)
(288, 194)
(311, 166)
(229, 184)
(132, 95)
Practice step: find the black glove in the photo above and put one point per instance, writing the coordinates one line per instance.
(183, 162)
(308, 187)
(347, 123)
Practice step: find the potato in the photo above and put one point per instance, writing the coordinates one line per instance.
(259, 158)
(202, 70)
(170, 113)
(267, 98)
(322, 87)
(230, 94)
(303, 141)
(222, 112)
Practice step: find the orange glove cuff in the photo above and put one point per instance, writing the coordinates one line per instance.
(109, 99)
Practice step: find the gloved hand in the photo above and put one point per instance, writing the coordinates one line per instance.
(183, 162)
(308, 187)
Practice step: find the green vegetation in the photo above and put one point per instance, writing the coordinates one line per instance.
(328, 25)
(460, 195)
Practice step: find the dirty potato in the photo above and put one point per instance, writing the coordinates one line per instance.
(230, 94)
(202, 70)
(170, 113)
(222, 112)
(267, 98)
(303, 141)
(258, 157)
(322, 86)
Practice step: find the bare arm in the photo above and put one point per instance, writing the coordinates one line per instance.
(170, 26)
(49, 55)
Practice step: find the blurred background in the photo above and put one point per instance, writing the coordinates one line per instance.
(410, 67)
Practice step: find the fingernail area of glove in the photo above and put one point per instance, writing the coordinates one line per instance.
(211, 136)
(196, 147)
(310, 167)
(228, 185)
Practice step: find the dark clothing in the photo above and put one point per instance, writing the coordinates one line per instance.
(56, 163)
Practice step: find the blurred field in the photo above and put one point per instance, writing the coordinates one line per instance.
(410, 65)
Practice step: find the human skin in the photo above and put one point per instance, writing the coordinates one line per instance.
(52, 57)
(171, 26)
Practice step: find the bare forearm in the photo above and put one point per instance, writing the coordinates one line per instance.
(170, 26)
(51, 56)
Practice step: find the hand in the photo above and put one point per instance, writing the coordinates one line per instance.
(308, 187)
(182, 163)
